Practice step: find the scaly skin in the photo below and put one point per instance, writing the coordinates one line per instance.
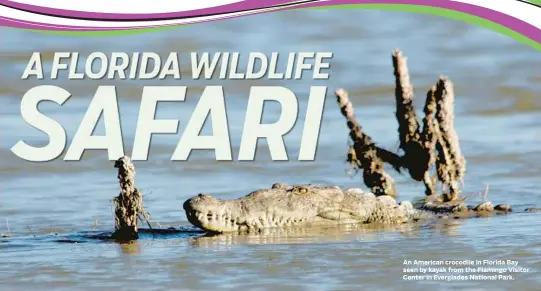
(307, 205)
(301, 205)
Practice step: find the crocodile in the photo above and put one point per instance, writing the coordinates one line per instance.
(309, 205)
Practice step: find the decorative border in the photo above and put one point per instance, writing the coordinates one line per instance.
(520, 20)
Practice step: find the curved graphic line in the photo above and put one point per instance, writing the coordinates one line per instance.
(485, 17)
(509, 21)
(243, 5)
(447, 13)
(285, 5)
(67, 29)
(239, 6)
(532, 2)
(495, 16)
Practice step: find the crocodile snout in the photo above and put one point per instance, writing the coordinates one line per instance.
(208, 213)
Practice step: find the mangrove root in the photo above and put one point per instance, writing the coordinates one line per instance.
(129, 203)
(451, 165)
(436, 143)
(364, 154)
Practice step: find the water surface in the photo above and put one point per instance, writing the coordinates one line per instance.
(498, 118)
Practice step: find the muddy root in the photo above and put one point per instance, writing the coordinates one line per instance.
(435, 144)
(408, 126)
(363, 154)
(450, 163)
(129, 203)
(429, 137)
(417, 145)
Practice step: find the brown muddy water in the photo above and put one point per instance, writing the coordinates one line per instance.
(498, 118)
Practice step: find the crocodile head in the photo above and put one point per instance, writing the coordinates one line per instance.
(302, 205)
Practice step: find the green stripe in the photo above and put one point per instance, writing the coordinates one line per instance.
(444, 13)
(538, 2)
(394, 7)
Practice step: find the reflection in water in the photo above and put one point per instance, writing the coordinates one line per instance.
(328, 234)
(130, 247)
(447, 227)
(308, 235)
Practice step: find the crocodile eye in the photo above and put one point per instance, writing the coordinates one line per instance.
(300, 190)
